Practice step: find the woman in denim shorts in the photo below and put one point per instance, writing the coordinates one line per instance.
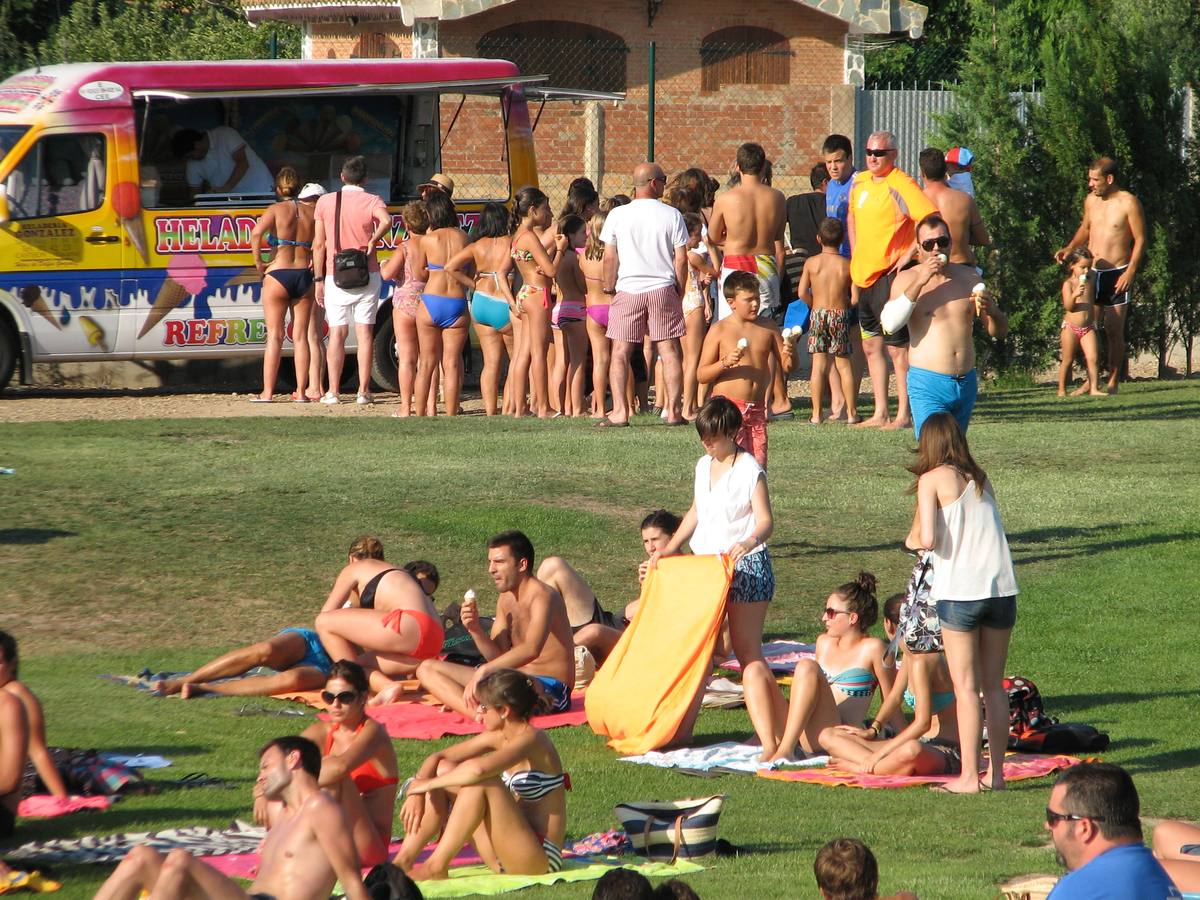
(974, 585)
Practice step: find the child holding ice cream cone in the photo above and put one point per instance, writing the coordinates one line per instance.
(736, 360)
(1079, 324)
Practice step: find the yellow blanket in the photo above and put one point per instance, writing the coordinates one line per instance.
(648, 684)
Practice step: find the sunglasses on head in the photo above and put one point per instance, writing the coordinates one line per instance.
(937, 243)
(344, 697)
(884, 151)
(1053, 818)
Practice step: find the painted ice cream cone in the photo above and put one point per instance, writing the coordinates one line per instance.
(185, 278)
(136, 230)
(93, 332)
(127, 201)
(31, 297)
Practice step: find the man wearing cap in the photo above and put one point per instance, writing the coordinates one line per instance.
(364, 220)
(438, 182)
(958, 165)
(885, 206)
(1114, 229)
(957, 208)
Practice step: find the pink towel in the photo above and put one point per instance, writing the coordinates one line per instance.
(420, 721)
(44, 806)
(245, 865)
(1017, 767)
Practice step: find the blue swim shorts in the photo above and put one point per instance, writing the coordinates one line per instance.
(932, 392)
(753, 579)
(555, 696)
(314, 654)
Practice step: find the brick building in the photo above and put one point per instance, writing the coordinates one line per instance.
(782, 72)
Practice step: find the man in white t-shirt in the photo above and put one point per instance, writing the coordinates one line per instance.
(645, 267)
(222, 160)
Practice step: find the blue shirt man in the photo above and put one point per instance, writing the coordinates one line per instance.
(837, 152)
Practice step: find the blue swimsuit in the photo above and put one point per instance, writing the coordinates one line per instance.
(445, 311)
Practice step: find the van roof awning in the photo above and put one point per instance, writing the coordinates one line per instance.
(545, 93)
(480, 85)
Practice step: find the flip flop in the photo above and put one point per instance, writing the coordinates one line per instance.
(609, 423)
(260, 399)
(941, 789)
(781, 417)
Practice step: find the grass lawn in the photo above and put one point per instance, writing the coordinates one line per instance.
(158, 543)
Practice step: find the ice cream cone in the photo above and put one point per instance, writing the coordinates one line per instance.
(136, 230)
(31, 297)
(169, 296)
(93, 332)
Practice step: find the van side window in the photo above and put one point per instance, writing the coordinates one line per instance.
(60, 175)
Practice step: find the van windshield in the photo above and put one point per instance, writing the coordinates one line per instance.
(9, 135)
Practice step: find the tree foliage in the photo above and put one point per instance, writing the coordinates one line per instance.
(1101, 93)
(935, 57)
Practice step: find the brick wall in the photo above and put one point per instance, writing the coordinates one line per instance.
(691, 127)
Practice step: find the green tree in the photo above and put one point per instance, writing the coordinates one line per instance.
(935, 57)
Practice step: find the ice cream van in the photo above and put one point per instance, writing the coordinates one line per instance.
(108, 253)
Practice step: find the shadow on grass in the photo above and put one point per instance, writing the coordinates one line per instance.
(1024, 542)
(797, 549)
(1098, 411)
(1074, 703)
(32, 535)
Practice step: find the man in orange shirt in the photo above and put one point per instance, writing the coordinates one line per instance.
(885, 207)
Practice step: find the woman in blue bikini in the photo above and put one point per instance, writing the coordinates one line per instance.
(492, 299)
(287, 278)
(503, 790)
(442, 318)
(837, 687)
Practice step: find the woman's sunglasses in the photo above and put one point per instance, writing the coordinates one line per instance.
(344, 697)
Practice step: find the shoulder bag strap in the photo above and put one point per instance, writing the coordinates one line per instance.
(337, 223)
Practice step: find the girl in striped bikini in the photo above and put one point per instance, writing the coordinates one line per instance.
(503, 790)
(836, 688)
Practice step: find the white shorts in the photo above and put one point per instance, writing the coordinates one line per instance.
(363, 301)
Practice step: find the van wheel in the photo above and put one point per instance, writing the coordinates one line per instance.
(383, 356)
(9, 352)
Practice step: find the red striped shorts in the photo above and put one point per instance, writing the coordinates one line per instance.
(657, 313)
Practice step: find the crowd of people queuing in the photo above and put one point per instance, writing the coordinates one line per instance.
(888, 270)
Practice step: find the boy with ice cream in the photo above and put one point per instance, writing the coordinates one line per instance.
(939, 301)
(736, 360)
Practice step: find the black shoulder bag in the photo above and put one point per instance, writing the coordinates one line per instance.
(350, 268)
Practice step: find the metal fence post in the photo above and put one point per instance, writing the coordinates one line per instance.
(650, 109)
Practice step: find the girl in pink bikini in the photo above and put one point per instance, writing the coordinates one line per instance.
(1078, 325)
(401, 268)
(591, 264)
(530, 216)
(567, 320)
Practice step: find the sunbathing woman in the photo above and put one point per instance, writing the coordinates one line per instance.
(391, 623)
(36, 750)
(837, 686)
(358, 765)
(928, 745)
(503, 790)
(1177, 845)
(297, 655)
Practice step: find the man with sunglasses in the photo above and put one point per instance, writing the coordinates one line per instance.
(885, 205)
(1093, 820)
(934, 305)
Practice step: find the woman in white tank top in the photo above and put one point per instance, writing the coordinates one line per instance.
(974, 585)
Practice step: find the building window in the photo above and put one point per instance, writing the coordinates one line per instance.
(573, 55)
(744, 55)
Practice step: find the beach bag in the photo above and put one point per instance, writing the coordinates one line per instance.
(673, 829)
(350, 267)
(1060, 737)
(920, 628)
(457, 645)
(1026, 712)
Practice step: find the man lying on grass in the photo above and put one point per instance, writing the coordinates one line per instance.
(303, 856)
(532, 634)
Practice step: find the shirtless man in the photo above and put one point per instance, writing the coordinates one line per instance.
(532, 633)
(747, 224)
(885, 205)
(302, 857)
(935, 299)
(956, 207)
(14, 739)
(1114, 229)
(739, 355)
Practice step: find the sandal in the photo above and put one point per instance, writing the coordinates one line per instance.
(606, 422)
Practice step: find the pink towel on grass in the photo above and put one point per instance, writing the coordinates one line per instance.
(1017, 767)
(419, 721)
(45, 806)
(245, 865)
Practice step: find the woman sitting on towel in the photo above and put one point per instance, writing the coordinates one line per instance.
(36, 750)
(504, 791)
(390, 621)
(837, 687)
(358, 765)
(929, 744)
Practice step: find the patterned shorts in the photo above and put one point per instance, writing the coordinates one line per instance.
(829, 331)
(753, 579)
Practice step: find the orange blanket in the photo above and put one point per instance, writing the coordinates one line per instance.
(1017, 767)
(649, 682)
